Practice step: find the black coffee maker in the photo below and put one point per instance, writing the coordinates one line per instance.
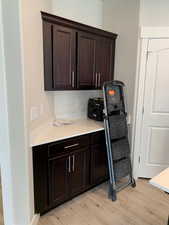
(95, 108)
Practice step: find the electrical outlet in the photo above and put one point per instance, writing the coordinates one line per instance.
(34, 113)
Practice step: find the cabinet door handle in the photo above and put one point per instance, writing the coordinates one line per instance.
(73, 79)
(99, 80)
(96, 80)
(73, 167)
(69, 169)
(71, 146)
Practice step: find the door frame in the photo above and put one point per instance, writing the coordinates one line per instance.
(146, 34)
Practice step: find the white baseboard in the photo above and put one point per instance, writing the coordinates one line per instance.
(35, 219)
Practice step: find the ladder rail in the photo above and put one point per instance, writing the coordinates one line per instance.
(112, 184)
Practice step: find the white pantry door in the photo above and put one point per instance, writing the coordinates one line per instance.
(155, 125)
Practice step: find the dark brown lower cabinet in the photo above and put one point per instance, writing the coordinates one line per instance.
(40, 174)
(58, 180)
(80, 171)
(68, 175)
(67, 168)
(99, 164)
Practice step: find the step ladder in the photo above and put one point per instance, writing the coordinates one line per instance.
(116, 133)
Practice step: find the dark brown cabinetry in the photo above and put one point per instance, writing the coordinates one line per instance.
(76, 56)
(67, 176)
(105, 52)
(79, 171)
(40, 173)
(64, 62)
(99, 164)
(58, 171)
(86, 68)
(66, 168)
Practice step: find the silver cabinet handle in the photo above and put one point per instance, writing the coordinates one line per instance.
(73, 167)
(71, 146)
(69, 165)
(73, 79)
(99, 81)
(96, 80)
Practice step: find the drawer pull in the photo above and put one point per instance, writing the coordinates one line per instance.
(69, 165)
(96, 80)
(73, 169)
(71, 146)
(99, 81)
(73, 79)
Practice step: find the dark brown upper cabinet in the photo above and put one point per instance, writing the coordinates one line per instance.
(76, 56)
(86, 63)
(64, 61)
(105, 52)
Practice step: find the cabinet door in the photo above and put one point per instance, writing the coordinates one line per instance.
(105, 60)
(79, 171)
(86, 60)
(64, 70)
(99, 164)
(58, 179)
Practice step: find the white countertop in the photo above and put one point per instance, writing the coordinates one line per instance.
(161, 181)
(48, 133)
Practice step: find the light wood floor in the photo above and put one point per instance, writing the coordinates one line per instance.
(144, 205)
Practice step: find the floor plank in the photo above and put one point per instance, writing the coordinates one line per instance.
(143, 205)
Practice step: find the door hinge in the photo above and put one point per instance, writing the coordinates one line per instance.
(139, 159)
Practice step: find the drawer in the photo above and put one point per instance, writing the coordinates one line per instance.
(68, 145)
(98, 138)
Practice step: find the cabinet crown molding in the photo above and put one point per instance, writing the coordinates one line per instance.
(76, 25)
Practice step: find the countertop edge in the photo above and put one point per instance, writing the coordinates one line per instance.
(66, 137)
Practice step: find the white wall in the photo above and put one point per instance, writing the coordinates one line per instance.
(154, 13)
(33, 59)
(13, 135)
(73, 104)
(87, 12)
(122, 17)
(4, 136)
(32, 56)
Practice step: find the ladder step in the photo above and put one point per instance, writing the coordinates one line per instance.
(120, 149)
(122, 168)
(117, 126)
